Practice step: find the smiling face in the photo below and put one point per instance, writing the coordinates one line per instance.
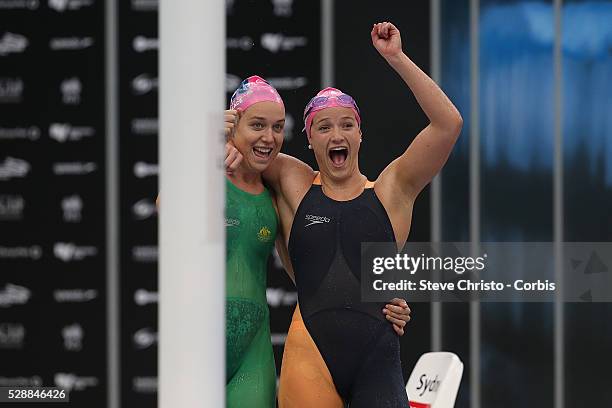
(335, 138)
(259, 135)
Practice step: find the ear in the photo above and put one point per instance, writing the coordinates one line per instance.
(232, 135)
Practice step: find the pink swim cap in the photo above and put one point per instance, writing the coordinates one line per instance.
(252, 90)
(329, 98)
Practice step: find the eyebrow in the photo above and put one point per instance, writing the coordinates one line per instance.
(264, 119)
(327, 118)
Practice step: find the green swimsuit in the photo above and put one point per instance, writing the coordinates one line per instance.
(250, 225)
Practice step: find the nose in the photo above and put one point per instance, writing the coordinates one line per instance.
(335, 137)
(267, 136)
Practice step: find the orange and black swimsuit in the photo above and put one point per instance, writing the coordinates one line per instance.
(358, 345)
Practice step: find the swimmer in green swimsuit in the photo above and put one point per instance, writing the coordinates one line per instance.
(251, 225)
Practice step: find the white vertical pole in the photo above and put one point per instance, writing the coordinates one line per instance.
(192, 236)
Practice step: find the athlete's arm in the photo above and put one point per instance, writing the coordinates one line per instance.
(281, 247)
(288, 175)
(426, 155)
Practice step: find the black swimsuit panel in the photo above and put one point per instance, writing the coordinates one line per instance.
(359, 346)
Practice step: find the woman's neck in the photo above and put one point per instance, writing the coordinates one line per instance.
(249, 181)
(343, 189)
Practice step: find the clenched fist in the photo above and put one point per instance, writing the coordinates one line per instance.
(386, 39)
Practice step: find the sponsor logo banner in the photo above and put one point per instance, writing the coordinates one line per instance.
(145, 5)
(74, 168)
(70, 43)
(13, 295)
(12, 167)
(33, 252)
(145, 126)
(143, 84)
(11, 90)
(70, 252)
(144, 385)
(66, 132)
(74, 295)
(12, 335)
(143, 44)
(277, 42)
(145, 338)
(143, 209)
(72, 206)
(73, 337)
(20, 133)
(72, 382)
(143, 297)
(69, 5)
(11, 207)
(13, 43)
(145, 254)
(71, 91)
(19, 4)
(283, 8)
(142, 169)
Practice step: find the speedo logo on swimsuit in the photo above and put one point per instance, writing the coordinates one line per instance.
(316, 219)
(232, 222)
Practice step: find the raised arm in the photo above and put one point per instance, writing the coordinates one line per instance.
(428, 153)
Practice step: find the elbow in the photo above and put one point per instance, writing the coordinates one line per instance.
(454, 124)
(451, 126)
(457, 125)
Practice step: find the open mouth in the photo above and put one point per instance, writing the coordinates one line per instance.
(262, 152)
(338, 156)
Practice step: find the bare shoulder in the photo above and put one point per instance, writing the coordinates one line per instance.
(290, 178)
(294, 166)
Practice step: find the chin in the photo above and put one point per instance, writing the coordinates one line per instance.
(258, 167)
(339, 174)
